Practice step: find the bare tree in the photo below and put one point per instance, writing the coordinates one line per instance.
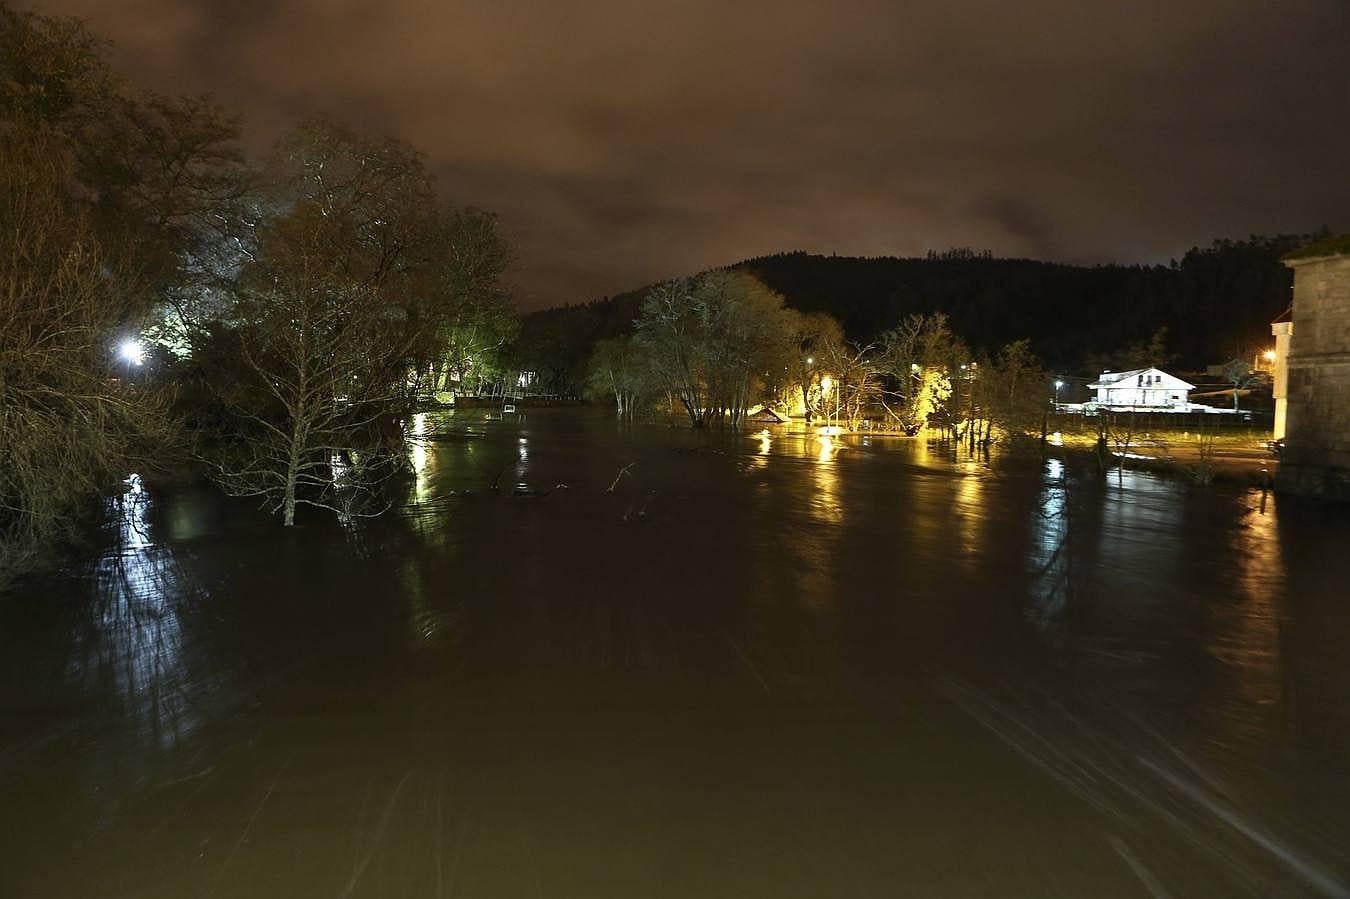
(326, 328)
(323, 355)
(1239, 373)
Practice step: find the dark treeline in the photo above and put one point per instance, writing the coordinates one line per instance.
(1215, 303)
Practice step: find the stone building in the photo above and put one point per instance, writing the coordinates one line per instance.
(1316, 457)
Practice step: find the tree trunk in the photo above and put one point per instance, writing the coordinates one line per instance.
(292, 474)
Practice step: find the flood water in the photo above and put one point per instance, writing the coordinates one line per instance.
(754, 665)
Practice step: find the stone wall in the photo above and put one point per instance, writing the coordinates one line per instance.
(1317, 440)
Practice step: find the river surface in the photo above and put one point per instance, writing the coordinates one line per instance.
(660, 664)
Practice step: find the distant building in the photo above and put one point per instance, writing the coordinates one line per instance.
(1316, 458)
(1142, 390)
(1283, 329)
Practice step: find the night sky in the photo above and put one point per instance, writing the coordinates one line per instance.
(621, 141)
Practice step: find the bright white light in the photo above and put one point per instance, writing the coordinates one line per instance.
(810, 360)
(1059, 384)
(132, 352)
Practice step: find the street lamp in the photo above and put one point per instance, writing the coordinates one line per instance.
(132, 352)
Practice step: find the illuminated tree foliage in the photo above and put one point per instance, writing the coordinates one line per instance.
(621, 371)
(470, 319)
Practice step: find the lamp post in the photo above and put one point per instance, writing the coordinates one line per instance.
(1058, 385)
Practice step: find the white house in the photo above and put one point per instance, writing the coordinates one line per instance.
(1144, 389)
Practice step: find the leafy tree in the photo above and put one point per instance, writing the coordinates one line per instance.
(470, 320)
(917, 355)
(713, 340)
(620, 370)
(815, 337)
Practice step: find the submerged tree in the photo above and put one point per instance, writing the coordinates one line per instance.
(815, 337)
(713, 341)
(919, 356)
(325, 329)
(620, 370)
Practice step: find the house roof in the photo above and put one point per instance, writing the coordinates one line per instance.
(1117, 378)
(1111, 377)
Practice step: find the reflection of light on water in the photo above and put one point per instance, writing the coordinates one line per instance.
(1247, 628)
(1056, 439)
(134, 640)
(1049, 562)
(826, 505)
(765, 442)
(429, 627)
(524, 445)
(131, 508)
(420, 457)
(971, 512)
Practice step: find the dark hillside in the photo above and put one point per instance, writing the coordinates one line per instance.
(1216, 303)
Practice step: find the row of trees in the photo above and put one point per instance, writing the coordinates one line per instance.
(718, 344)
(292, 309)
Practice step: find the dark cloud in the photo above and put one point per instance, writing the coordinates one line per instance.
(624, 141)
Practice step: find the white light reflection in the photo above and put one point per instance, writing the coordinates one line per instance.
(1049, 562)
(420, 458)
(132, 643)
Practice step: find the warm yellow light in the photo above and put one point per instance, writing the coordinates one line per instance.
(826, 385)
(1270, 355)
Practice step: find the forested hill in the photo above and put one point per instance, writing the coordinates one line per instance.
(1216, 303)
